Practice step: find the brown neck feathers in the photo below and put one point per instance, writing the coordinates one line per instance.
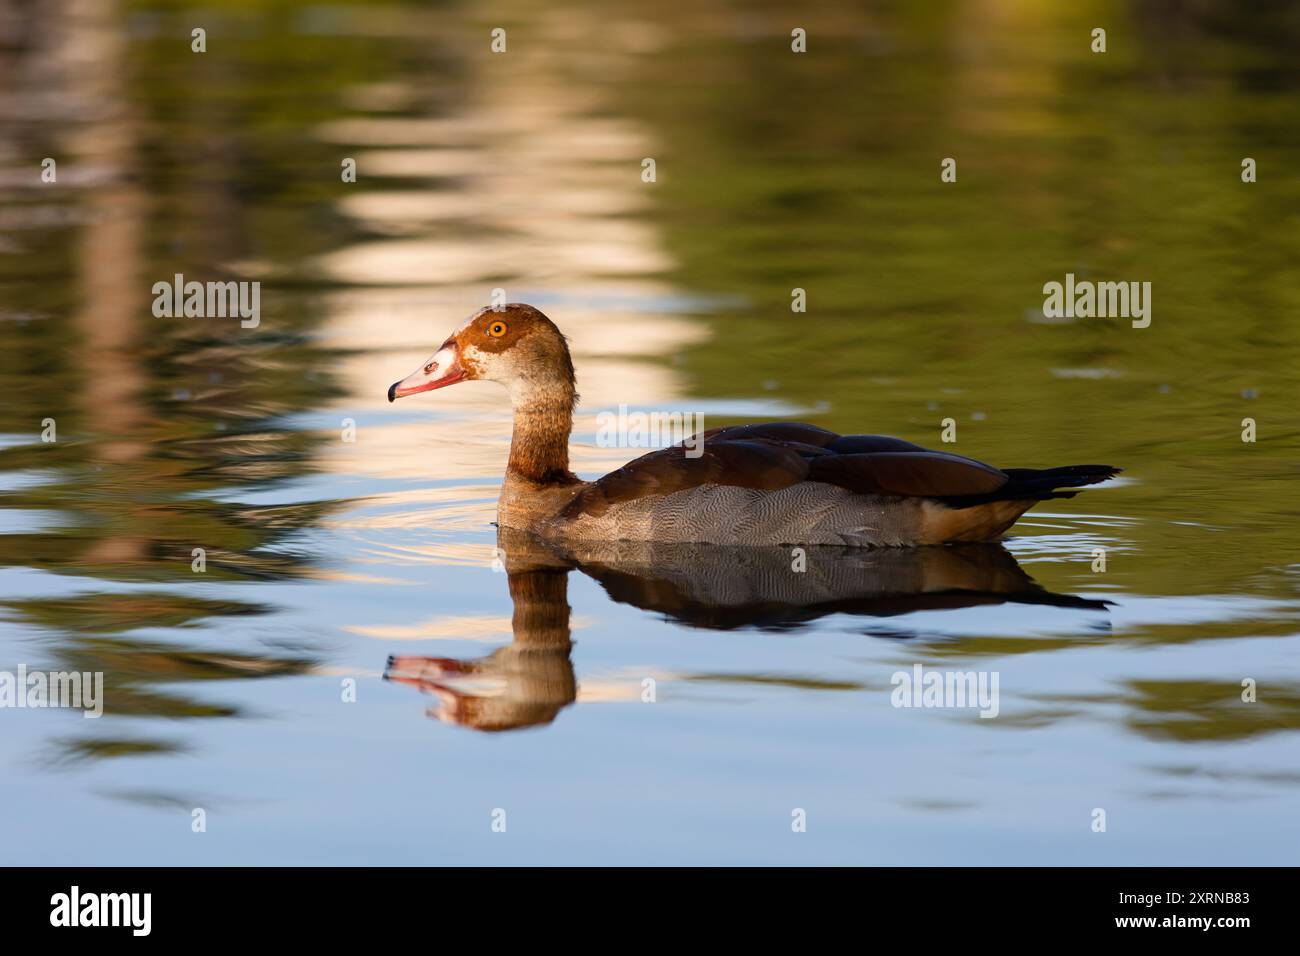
(539, 447)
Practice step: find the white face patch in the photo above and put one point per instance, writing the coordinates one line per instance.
(440, 365)
(487, 365)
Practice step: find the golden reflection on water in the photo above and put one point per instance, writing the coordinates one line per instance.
(581, 241)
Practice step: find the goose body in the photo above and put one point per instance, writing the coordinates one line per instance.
(782, 483)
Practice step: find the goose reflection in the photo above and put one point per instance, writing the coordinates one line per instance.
(524, 684)
(529, 681)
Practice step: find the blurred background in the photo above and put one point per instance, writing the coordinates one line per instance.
(522, 171)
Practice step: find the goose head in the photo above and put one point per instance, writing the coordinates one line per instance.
(515, 345)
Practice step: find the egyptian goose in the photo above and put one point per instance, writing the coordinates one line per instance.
(784, 483)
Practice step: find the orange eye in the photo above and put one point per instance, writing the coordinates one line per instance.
(497, 329)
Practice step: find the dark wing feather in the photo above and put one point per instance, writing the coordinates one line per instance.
(870, 444)
(908, 473)
(777, 455)
(771, 431)
(767, 466)
(1038, 484)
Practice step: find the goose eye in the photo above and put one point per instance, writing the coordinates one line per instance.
(497, 329)
(428, 369)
